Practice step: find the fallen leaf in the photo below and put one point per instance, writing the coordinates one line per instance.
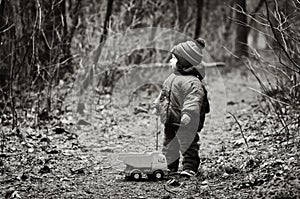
(45, 139)
(238, 143)
(77, 171)
(231, 103)
(138, 110)
(53, 151)
(24, 177)
(252, 139)
(45, 169)
(3, 155)
(225, 175)
(12, 194)
(59, 130)
(30, 150)
(83, 122)
(205, 182)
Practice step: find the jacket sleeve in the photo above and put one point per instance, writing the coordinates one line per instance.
(193, 97)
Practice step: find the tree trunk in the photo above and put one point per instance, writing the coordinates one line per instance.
(69, 29)
(181, 14)
(103, 37)
(228, 21)
(241, 47)
(106, 21)
(199, 18)
(3, 73)
(2, 20)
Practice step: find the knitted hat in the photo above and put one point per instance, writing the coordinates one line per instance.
(189, 53)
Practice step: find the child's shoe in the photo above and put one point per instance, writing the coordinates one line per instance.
(172, 172)
(187, 173)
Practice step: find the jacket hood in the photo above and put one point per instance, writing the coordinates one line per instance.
(197, 71)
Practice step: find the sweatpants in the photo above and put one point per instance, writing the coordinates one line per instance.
(182, 139)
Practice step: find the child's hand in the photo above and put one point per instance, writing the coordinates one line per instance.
(185, 119)
(155, 109)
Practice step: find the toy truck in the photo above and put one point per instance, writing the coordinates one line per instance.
(153, 164)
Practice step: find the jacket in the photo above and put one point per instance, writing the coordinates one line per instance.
(183, 93)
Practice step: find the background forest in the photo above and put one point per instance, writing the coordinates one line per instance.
(50, 47)
(43, 42)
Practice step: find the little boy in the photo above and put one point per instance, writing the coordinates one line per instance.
(182, 105)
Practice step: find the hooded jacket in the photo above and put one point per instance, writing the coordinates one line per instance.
(183, 92)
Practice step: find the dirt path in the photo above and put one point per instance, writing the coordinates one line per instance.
(76, 157)
(136, 133)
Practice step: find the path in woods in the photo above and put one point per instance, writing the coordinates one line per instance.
(131, 132)
(136, 132)
(74, 156)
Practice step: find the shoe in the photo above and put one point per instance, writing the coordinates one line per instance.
(187, 173)
(172, 172)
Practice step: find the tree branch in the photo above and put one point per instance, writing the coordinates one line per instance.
(278, 40)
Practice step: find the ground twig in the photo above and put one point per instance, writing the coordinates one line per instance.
(165, 188)
(242, 132)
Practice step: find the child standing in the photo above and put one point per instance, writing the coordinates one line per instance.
(182, 105)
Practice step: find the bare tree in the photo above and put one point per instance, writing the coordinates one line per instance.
(200, 4)
(241, 47)
(104, 34)
(181, 13)
(283, 23)
(2, 20)
(89, 77)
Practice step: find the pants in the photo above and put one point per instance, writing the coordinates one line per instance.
(181, 139)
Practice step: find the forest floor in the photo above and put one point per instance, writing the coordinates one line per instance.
(68, 158)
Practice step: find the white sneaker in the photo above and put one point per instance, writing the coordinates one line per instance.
(187, 173)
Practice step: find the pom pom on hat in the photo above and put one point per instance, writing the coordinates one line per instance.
(201, 42)
(189, 52)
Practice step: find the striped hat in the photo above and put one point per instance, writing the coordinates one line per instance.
(189, 53)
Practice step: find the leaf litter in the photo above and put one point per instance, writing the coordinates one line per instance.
(67, 159)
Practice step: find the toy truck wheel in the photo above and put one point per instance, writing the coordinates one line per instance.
(136, 176)
(159, 175)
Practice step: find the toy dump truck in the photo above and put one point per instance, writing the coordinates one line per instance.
(153, 164)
